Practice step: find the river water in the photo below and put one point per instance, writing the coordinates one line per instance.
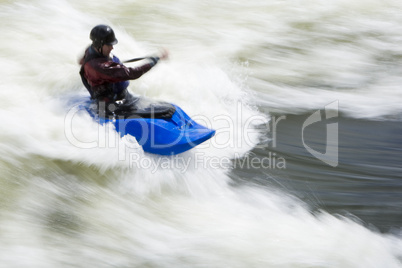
(304, 170)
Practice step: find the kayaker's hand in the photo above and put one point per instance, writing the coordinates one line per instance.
(164, 54)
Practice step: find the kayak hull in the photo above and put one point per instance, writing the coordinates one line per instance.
(162, 136)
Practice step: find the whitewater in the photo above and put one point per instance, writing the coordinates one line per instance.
(73, 193)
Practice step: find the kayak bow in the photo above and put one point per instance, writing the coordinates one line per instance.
(164, 136)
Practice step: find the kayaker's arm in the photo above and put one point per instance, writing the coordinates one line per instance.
(100, 71)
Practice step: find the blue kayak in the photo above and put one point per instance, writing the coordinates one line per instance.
(160, 128)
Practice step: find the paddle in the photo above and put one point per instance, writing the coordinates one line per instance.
(135, 59)
(163, 55)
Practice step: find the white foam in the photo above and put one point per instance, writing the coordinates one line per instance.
(112, 205)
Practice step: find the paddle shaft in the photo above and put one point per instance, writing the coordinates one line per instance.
(135, 59)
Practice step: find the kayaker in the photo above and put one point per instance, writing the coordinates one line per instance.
(105, 77)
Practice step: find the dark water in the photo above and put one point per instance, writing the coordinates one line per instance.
(366, 185)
